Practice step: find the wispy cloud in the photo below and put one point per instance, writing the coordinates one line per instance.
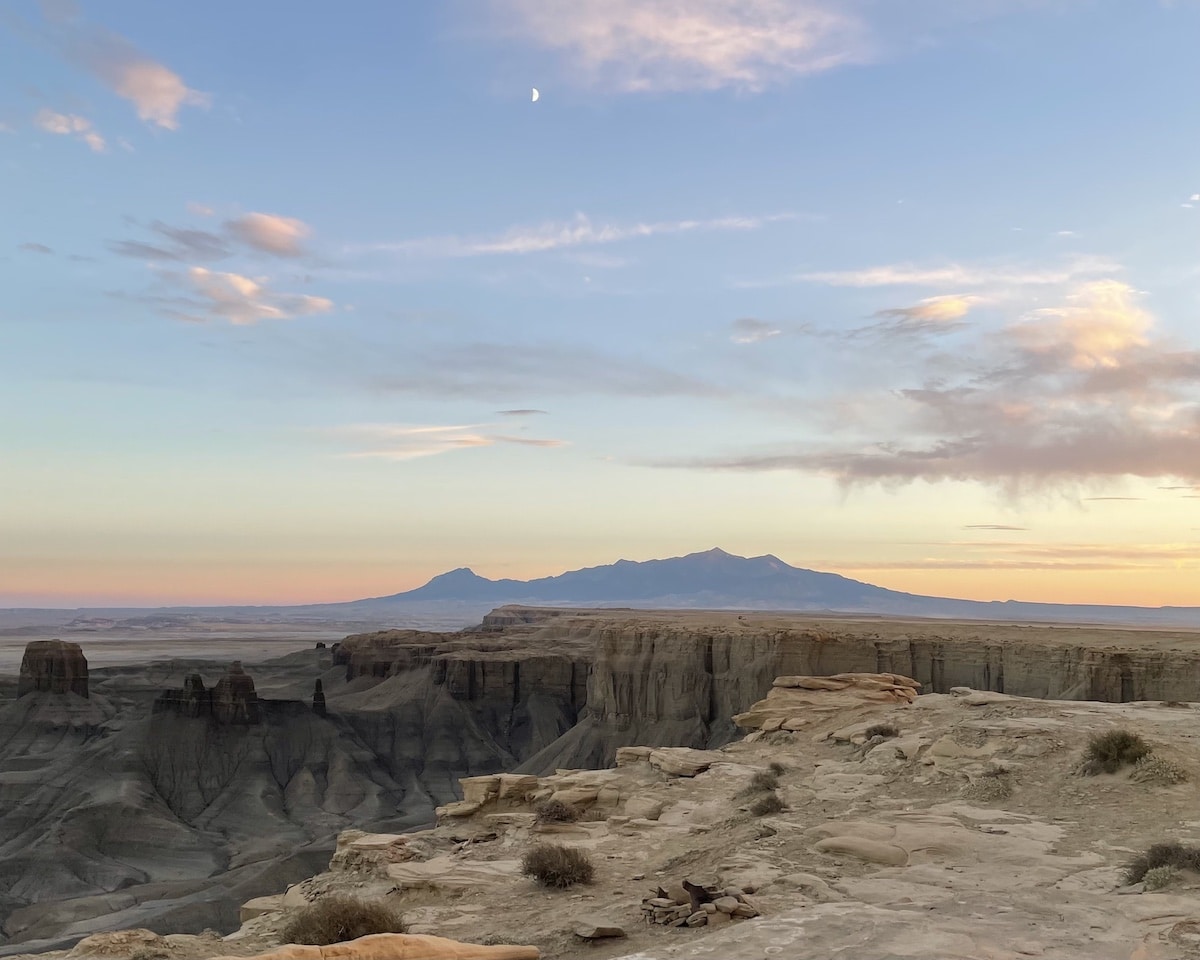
(961, 275)
(1001, 555)
(156, 92)
(500, 371)
(558, 235)
(749, 330)
(270, 233)
(664, 45)
(71, 125)
(522, 412)
(991, 526)
(35, 248)
(240, 300)
(1079, 393)
(261, 232)
(400, 442)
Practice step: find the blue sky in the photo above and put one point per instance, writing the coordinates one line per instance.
(311, 304)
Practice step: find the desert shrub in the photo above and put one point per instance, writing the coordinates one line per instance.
(885, 730)
(1155, 769)
(1177, 704)
(1158, 877)
(992, 785)
(761, 782)
(767, 804)
(334, 919)
(1107, 752)
(1170, 854)
(149, 953)
(555, 811)
(778, 769)
(553, 865)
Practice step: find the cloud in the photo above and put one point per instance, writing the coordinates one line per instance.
(961, 275)
(71, 124)
(557, 235)
(199, 209)
(991, 526)
(262, 232)
(665, 45)
(931, 315)
(1001, 555)
(748, 330)
(1114, 498)
(1080, 393)
(498, 371)
(270, 233)
(242, 300)
(35, 248)
(398, 442)
(156, 92)
(523, 412)
(182, 245)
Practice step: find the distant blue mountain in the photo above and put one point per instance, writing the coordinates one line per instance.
(717, 579)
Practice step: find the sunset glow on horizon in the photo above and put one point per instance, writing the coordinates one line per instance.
(319, 308)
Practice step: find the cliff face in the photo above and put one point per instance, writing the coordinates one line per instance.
(232, 700)
(53, 666)
(676, 678)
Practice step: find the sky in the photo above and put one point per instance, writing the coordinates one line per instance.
(310, 302)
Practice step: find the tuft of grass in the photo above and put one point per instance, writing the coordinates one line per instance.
(335, 919)
(553, 865)
(1108, 752)
(1155, 769)
(767, 804)
(555, 811)
(885, 730)
(777, 768)
(1171, 854)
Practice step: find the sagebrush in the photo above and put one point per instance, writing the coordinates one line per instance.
(555, 811)
(1170, 854)
(553, 865)
(885, 730)
(1155, 769)
(1108, 752)
(1158, 877)
(761, 782)
(767, 804)
(334, 919)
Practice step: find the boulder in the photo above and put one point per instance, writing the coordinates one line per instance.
(53, 666)
(592, 927)
(794, 702)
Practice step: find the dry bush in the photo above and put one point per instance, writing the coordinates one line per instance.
(1158, 877)
(1170, 854)
(1155, 769)
(761, 782)
(149, 953)
(885, 730)
(767, 804)
(334, 919)
(778, 769)
(1107, 752)
(553, 865)
(555, 811)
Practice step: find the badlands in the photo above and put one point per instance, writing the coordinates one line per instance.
(922, 812)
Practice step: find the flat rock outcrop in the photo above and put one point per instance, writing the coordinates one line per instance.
(398, 946)
(795, 702)
(53, 666)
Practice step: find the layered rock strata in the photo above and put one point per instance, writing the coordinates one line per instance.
(53, 666)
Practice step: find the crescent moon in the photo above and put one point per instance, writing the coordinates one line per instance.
(533, 99)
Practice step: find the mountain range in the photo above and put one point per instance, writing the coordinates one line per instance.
(711, 579)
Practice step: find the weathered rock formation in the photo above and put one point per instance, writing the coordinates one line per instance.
(53, 666)
(796, 702)
(318, 700)
(232, 700)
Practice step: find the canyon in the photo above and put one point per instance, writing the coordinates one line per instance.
(139, 795)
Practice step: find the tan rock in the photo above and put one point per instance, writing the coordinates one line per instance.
(861, 848)
(398, 946)
(260, 906)
(592, 927)
(682, 761)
